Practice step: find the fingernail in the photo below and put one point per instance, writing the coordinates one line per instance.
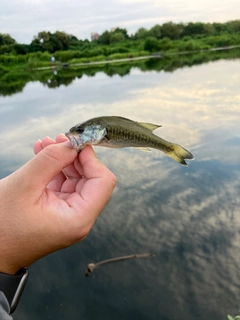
(47, 137)
(62, 134)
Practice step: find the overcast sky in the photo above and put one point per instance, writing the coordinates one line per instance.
(23, 19)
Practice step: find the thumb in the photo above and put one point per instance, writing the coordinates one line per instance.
(40, 170)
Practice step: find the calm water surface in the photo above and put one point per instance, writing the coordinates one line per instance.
(188, 217)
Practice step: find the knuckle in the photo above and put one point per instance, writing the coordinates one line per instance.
(53, 153)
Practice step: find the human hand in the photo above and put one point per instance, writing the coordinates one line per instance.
(51, 202)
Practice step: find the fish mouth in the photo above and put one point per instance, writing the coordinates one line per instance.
(73, 140)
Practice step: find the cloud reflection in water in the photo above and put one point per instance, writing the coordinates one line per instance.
(188, 217)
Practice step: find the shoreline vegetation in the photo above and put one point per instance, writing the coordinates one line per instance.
(14, 81)
(129, 59)
(56, 59)
(61, 50)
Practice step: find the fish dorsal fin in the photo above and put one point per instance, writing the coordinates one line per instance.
(144, 149)
(149, 126)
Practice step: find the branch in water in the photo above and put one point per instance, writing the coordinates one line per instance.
(92, 266)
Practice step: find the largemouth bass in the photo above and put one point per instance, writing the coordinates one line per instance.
(119, 132)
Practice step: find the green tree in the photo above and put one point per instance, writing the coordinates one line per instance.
(104, 38)
(151, 44)
(122, 31)
(51, 42)
(141, 34)
(165, 44)
(116, 37)
(7, 49)
(193, 28)
(172, 30)
(6, 39)
(234, 26)
(63, 38)
(155, 31)
(21, 48)
(220, 27)
(208, 29)
(43, 36)
(39, 42)
(54, 43)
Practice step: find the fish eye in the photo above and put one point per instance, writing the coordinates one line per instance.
(79, 130)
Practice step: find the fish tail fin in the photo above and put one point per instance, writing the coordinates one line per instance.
(179, 154)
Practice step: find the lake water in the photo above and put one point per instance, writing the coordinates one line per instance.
(188, 217)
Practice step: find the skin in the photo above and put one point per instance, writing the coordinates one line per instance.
(42, 211)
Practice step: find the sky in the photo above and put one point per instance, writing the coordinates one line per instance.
(23, 19)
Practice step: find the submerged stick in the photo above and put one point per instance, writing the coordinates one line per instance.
(92, 266)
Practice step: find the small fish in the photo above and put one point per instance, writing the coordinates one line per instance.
(119, 132)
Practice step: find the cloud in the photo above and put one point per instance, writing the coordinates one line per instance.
(194, 105)
(24, 19)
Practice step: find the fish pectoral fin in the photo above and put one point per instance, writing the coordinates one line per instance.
(149, 126)
(144, 149)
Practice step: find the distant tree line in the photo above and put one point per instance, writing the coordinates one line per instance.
(61, 41)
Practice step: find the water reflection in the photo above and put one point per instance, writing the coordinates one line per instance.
(14, 82)
(188, 217)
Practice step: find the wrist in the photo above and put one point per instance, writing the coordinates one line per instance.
(8, 267)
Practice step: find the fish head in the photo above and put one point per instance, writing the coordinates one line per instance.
(86, 133)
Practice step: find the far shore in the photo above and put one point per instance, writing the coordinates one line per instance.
(159, 55)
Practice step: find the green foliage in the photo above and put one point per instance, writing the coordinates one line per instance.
(223, 40)
(155, 31)
(118, 56)
(21, 48)
(6, 39)
(8, 59)
(191, 45)
(47, 41)
(208, 29)
(220, 28)
(32, 63)
(165, 44)
(104, 38)
(168, 38)
(151, 44)
(186, 38)
(225, 34)
(98, 58)
(193, 28)
(116, 49)
(14, 80)
(122, 31)
(233, 26)
(63, 38)
(3, 69)
(172, 30)
(65, 56)
(6, 49)
(116, 37)
(141, 34)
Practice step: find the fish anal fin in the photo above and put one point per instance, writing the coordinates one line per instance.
(144, 149)
(149, 126)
